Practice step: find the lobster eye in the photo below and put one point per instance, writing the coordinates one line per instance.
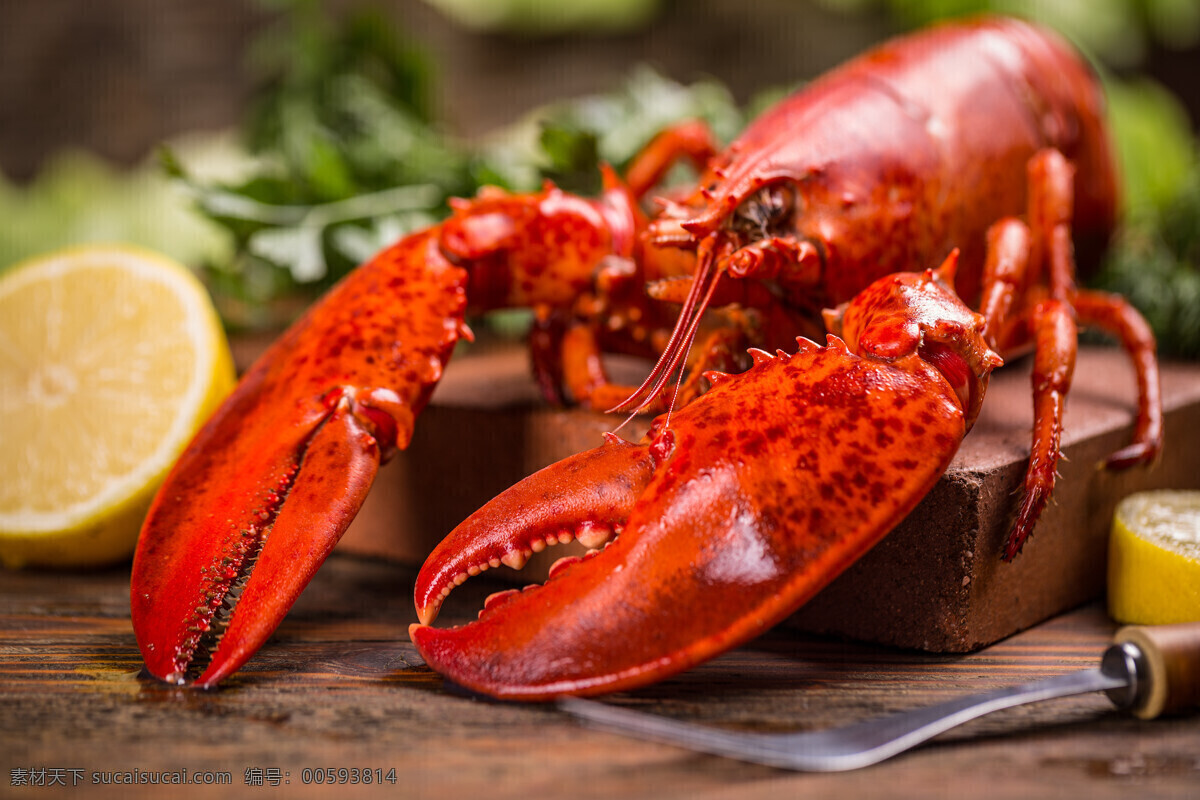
(765, 212)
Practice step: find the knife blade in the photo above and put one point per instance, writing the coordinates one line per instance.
(1147, 671)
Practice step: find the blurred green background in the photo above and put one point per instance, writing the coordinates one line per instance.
(314, 132)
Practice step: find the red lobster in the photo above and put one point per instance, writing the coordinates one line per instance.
(984, 136)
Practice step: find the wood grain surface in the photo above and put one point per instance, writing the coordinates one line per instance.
(340, 686)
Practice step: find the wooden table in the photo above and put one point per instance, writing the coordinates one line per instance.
(340, 686)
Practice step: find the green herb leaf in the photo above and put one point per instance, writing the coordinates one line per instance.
(1155, 263)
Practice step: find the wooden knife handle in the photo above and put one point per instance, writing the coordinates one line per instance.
(1172, 667)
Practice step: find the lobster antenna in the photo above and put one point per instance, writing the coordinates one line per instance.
(704, 284)
(689, 339)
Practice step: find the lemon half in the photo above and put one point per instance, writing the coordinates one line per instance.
(1154, 559)
(110, 358)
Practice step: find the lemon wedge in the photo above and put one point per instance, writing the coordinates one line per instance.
(1154, 559)
(110, 358)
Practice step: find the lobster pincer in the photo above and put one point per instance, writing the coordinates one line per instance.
(725, 519)
(271, 482)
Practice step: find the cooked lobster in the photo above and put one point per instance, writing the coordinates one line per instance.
(979, 145)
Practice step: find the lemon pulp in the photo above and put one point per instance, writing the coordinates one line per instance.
(1154, 558)
(110, 358)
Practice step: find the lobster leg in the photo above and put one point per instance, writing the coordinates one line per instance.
(567, 348)
(1011, 254)
(1114, 315)
(691, 139)
(1029, 296)
(748, 502)
(722, 348)
(1053, 367)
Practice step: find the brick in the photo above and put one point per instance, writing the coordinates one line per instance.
(935, 583)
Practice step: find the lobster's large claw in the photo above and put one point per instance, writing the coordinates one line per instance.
(765, 489)
(270, 483)
(761, 492)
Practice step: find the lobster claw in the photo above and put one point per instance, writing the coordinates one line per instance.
(270, 483)
(731, 516)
